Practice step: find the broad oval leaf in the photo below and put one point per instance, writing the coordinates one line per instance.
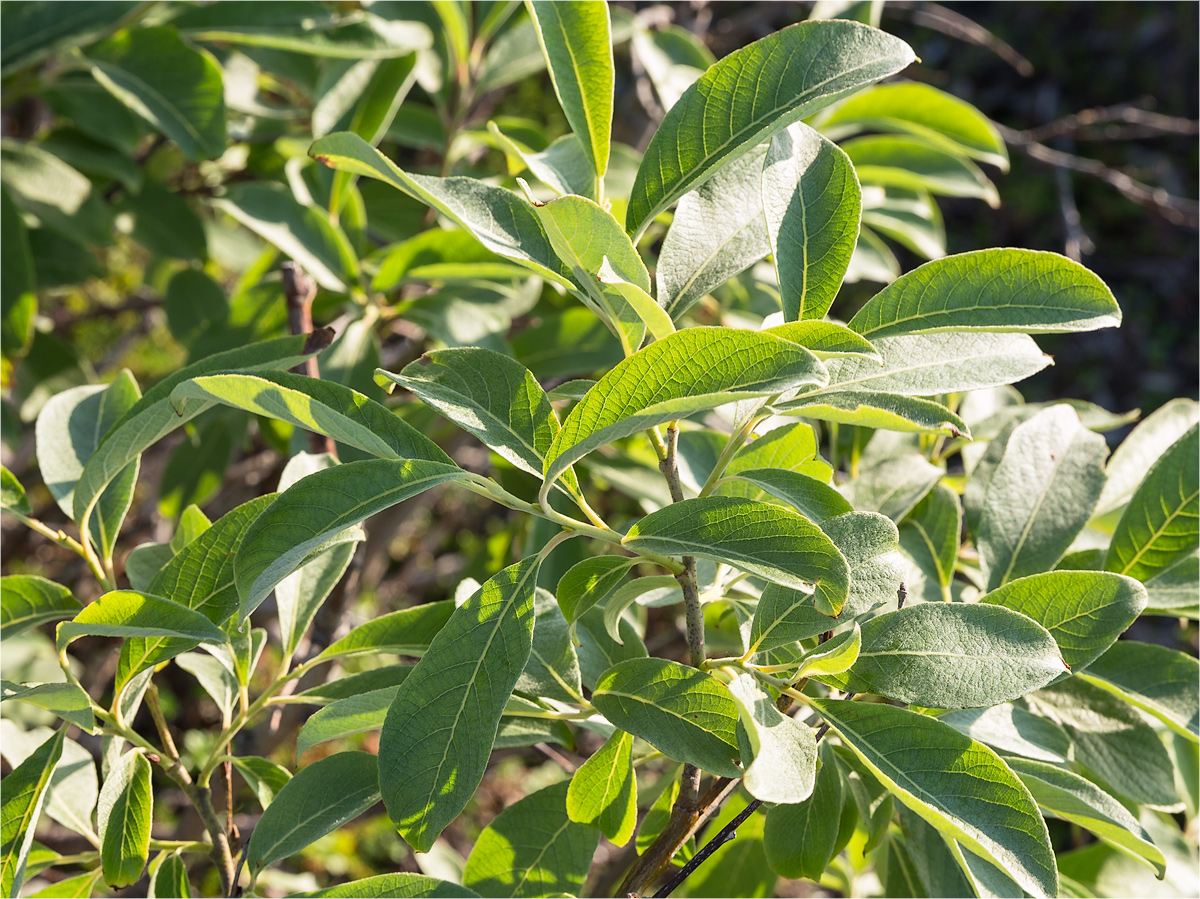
(319, 799)
(1161, 681)
(826, 340)
(314, 512)
(894, 486)
(869, 542)
(784, 750)
(396, 886)
(440, 727)
(813, 204)
(991, 290)
(576, 41)
(322, 407)
(682, 712)
(552, 671)
(1161, 525)
(751, 94)
(690, 370)
(954, 656)
(959, 786)
(124, 812)
(1085, 611)
(128, 613)
(263, 776)
(767, 540)
(532, 849)
(24, 795)
(27, 601)
(603, 790)
(403, 632)
(814, 500)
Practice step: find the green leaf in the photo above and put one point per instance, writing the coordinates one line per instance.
(783, 617)
(28, 601)
(302, 232)
(61, 198)
(835, 655)
(813, 204)
(739, 867)
(790, 447)
(315, 512)
(894, 486)
(826, 340)
(912, 163)
(18, 299)
(553, 667)
(218, 681)
(1161, 524)
(783, 750)
(767, 540)
(353, 715)
(24, 793)
(690, 370)
(629, 593)
(489, 395)
(589, 583)
(909, 217)
(800, 838)
(682, 712)
(814, 500)
(532, 849)
(603, 790)
(1012, 730)
(1174, 590)
(152, 417)
(1040, 495)
(936, 521)
(1112, 741)
(124, 813)
(1145, 444)
(173, 86)
(656, 321)
(317, 801)
(439, 731)
(869, 542)
(1085, 611)
(991, 290)
(35, 31)
(1155, 679)
(924, 111)
(69, 428)
(168, 876)
(953, 656)
(575, 39)
(128, 613)
(299, 596)
(67, 701)
(404, 632)
(322, 407)
(958, 785)
(165, 224)
(803, 68)
(659, 813)
(80, 886)
(718, 231)
(877, 410)
(1062, 794)
(563, 166)
(396, 886)
(263, 776)
(598, 651)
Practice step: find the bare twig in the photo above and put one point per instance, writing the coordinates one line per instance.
(727, 833)
(1084, 125)
(299, 289)
(948, 22)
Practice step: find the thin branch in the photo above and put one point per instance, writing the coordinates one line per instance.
(1083, 125)
(299, 289)
(948, 22)
(727, 833)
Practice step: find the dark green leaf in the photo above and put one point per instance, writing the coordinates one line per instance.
(396, 886)
(124, 812)
(799, 839)
(603, 791)
(346, 717)
(1155, 679)
(33, 31)
(65, 700)
(404, 632)
(24, 794)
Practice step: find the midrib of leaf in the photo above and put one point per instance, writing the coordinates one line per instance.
(889, 372)
(170, 107)
(300, 824)
(583, 94)
(1037, 507)
(537, 861)
(554, 674)
(683, 718)
(126, 843)
(700, 269)
(779, 620)
(957, 309)
(1158, 532)
(804, 248)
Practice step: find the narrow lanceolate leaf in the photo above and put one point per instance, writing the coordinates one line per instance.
(1085, 611)
(124, 813)
(894, 486)
(813, 204)
(552, 671)
(315, 512)
(878, 410)
(300, 595)
(576, 42)
(814, 500)
(403, 632)
(991, 290)
(353, 715)
(937, 522)
(751, 94)
(319, 799)
(1040, 495)
(682, 712)
(958, 785)
(1064, 794)
(440, 727)
(532, 849)
(800, 838)
(954, 656)
(764, 539)
(67, 701)
(168, 876)
(1153, 436)
(627, 594)
(718, 231)
(127, 613)
(322, 407)
(784, 751)
(1161, 524)
(589, 583)
(24, 794)
(911, 163)
(603, 791)
(152, 417)
(826, 340)
(563, 166)
(690, 370)
(502, 221)
(396, 886)
(263, 776)
(834, 656)
(27, 601)
(1155, 679)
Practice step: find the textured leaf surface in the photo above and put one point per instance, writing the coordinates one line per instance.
(1011, 730)
(877, 410)
(937, 522)
(124, 813)
(1161, 525)
(954, 656)
(785, 616)
(65, 700)
(767, 540)
(682, 712)
(958, 785)
(814, 500)
(345, 718)
(751, 94)
(691, 370)
(913, 163)
(403, 632)
(440, 727)
(397, 886)
(894, 486)
(553, 667)
(800, 838)
(318, 800)
(603, 791)
(299, 596)
(1085, 611)
(813, 204)
(24, 794)
(27, 601)
(127, 613)
(825, 339)
(532, 849)
(1152, 437)
(870, 543)
(991, 290)
(1158, 680)
(589, 583)
(783, 749)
